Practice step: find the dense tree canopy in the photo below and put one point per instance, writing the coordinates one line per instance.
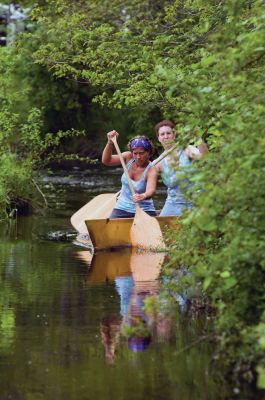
(181, 57)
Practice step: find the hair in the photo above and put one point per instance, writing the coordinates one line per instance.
(165, 122)
(151, 146)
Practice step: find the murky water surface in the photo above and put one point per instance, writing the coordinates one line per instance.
(73, 325)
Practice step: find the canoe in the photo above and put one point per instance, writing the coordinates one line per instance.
(106, 266)
(115, 233)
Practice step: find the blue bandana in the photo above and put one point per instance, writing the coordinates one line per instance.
(140, 142)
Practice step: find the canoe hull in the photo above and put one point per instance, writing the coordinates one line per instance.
(115, 233)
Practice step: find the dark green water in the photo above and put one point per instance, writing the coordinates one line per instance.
(64, 312)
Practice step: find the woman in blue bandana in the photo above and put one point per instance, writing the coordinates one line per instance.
(172, 166)
(143, 176)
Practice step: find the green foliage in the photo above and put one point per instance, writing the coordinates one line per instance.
(7, 329)
(200, 63)
(23, 146)
(138, 329)
(222, 240)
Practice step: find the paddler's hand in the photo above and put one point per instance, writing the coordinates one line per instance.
(193, 152)
(111, 135)
(137, 197)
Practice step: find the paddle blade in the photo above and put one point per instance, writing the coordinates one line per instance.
(145, 231)
(97, 208)
(105, 208)
(146, 266)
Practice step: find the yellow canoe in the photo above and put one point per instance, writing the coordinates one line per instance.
(115, 233)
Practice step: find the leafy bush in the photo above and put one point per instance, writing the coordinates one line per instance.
(24, 148)
(222, 241)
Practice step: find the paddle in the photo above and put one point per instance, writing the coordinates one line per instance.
(164, 154)
(99, 207)
(145, 231)
(146, 266)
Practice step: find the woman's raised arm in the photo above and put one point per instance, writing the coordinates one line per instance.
(108, 158)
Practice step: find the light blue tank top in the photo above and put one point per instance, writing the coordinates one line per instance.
(125, 201)
(170, 176)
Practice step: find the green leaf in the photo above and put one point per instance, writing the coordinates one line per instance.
(206, 61)
(207, 282)
(261, 377)
(225, 274)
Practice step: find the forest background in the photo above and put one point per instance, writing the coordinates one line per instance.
(85, 67)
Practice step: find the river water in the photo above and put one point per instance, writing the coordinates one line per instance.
(74, 325)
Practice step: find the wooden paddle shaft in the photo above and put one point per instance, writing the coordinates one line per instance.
(91, 210)
(145, 231)
(163, 155)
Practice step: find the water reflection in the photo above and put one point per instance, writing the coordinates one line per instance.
(143, 316)
(66, 317)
